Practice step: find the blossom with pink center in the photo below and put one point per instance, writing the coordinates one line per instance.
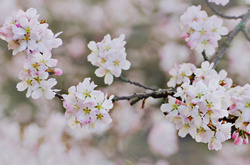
(180, 74)
(223, 133)
(86, 106)
(44, 87)
(202, 101)
(240, 97)
(200, 31)
(172, 108)
(35, 76)
(24, 33)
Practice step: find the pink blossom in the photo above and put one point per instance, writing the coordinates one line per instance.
(24, 33)
(86, 106)
(200, 31)
(161, 135)
(35, 76)
(200, 103)
(180, 74)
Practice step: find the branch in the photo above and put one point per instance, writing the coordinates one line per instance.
(245, 32)
(59, 96)
(232, 34)
(229, 119)
(161, 93)
(204, 56)
(135, 83)
(221, 14)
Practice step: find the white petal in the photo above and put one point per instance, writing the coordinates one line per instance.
(32, 45)
(108, 79)
(126, 65)
(92, 46)
(49, 94)
(51, 63)
(210, 50)
(21, 86)
(100, 72)
(36, 94)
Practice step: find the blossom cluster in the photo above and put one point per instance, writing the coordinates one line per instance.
(86, 106)
(110, 56)
(219, 2)
(35, 76)
(26, 35)
(201, 104)
(202, 32)
(241, 109)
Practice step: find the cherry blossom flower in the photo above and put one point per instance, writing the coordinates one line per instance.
(24, 33)
(200, 103)
(181, 74)
(86, 106)
(240, 107)
(110, 56)
(200, 31)
(35, 76)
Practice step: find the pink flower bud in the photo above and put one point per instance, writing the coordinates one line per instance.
(232, 107)
(58, 71)
(238, 141)
(178, 102)
(235, 135)
(245, 141)
(184, 35)
(18, 25)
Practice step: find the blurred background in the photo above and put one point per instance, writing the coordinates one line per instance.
(35, 132)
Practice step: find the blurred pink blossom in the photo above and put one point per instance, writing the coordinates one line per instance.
(162, 138)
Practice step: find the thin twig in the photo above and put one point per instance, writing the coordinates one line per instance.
(162, 93)
(59, 96)
(221, 14)
(232, 34)
(135, 83)
(229, 119)
(204, 56)
(245, 32)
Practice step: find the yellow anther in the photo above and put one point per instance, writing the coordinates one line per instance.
(99, 116)
(116, 62)
(203, 32)
(103, 60)
(87, 110)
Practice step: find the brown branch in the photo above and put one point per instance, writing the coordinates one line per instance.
(245, 32)
(204, 56)
(232, 34)
(221, 14)
(135, 83)
(229, 119)
(161, 93)
(59, 96)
